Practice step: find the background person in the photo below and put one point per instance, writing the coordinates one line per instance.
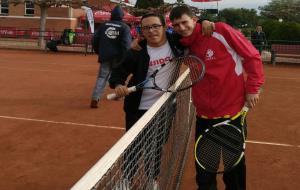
(110, 42)
(258, 39)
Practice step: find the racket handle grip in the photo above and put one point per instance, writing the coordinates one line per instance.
(245, 109)
(114, 96)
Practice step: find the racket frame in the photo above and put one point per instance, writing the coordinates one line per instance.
(227, 123)
(175, 60)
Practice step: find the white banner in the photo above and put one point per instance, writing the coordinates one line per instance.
(90, 17)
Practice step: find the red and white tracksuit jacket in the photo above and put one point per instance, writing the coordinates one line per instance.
(233, 68)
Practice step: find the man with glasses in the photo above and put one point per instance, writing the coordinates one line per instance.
(157, 48)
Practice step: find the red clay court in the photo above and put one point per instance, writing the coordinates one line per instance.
(50, 137)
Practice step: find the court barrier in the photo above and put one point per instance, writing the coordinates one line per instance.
(281, 51)
(69, 40)
(11, 37)
(287, 51)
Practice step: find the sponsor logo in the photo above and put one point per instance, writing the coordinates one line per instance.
(112, 33)
(210, 54)
(159, 61)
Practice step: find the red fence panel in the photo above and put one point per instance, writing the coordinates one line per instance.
(8, 32)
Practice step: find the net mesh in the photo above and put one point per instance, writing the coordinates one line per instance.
(152, 153)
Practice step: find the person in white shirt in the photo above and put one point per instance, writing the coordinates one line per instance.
(158, 47)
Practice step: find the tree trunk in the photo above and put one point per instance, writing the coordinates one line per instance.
(42, 26)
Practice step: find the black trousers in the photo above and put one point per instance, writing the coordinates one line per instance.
(132, 117)
(234, 179)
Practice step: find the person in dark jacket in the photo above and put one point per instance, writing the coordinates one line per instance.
(111, 42)
(158, 47)
(258, 39)
(138, 64)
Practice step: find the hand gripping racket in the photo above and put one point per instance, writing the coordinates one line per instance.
(221, 147)
(166, 75)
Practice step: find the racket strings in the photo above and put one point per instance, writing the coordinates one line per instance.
(230, 159)
(166, 76)
(209, 154)
(231, 136)
(196, 68)
(223, 145)
(232, 145)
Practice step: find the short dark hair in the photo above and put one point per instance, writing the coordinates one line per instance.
(161, 17)
(178, 11)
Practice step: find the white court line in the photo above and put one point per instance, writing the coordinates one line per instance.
(272, 143)
(36, 70)
(61, 122)
(289, 78)
(120, 128)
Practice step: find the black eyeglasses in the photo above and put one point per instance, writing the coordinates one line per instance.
(154, 27)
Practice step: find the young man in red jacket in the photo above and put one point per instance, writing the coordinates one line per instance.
(234, 75)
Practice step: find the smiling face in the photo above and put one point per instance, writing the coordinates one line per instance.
(153, 31)
(184, 25)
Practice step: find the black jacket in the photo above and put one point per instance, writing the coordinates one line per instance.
(112, 39)
(258, 38)
(137, 63)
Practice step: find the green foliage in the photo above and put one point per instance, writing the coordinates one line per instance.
(289, 31)
(247, 20)
(247, 32)
(211, 17)
(144, 4)
(239, 18)
(180, 1)
(288, 10)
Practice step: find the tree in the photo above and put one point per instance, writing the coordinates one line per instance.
(281, 31)
(239, 18)
(180, 1)
(144, 4)
(155, 6)
(44, 5)
(287, 10)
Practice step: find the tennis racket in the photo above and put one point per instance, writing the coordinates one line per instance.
(221, 147)
(166, 75)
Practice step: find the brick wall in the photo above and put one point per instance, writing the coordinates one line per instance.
(19, 10)
(34, 22)
(58, 18)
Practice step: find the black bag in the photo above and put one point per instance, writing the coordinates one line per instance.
(65, 36)
(52, 45)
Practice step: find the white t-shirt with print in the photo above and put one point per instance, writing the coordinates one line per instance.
(158, 56)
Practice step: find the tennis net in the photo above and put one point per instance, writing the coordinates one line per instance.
(151, 155)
